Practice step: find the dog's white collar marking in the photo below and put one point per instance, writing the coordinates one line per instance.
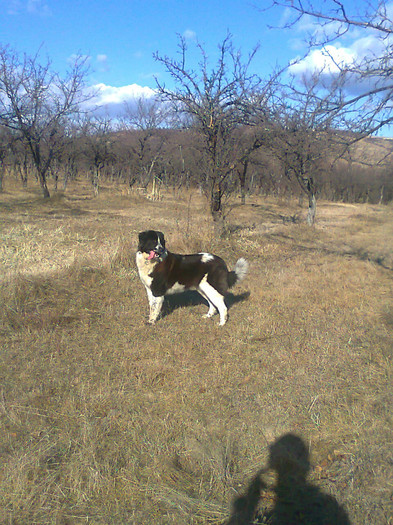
(206, 257)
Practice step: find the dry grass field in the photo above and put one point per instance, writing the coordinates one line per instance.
(287, 408)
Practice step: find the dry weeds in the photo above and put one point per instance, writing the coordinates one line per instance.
(105, 420)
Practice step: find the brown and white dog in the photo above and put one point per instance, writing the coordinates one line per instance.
(164, 273)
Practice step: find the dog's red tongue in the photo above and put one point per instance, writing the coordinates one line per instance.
(152, 254)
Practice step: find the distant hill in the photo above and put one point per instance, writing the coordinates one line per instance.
(375, 151)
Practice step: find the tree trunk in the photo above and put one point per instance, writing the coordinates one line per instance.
(312, 201)
(312, 208)
(96, 181)
(381, 195)
(242, 180)
(2, 170)
(44, 187)
(216, 210)
(216, 200)
(23, 171)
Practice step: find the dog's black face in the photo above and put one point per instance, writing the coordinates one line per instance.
(153, 243)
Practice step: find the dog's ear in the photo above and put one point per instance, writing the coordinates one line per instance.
(142, 239)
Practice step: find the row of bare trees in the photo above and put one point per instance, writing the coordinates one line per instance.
(219, 127)
(172, 157)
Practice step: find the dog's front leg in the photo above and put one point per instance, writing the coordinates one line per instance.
(155, 309)
(155, 304)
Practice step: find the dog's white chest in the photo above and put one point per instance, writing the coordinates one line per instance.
(145, 267)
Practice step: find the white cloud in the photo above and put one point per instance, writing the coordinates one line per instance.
(319, 31)
(110, 100)
(34, 7)
(370, 46)
(363, 49)
(189, 34)
(103, 64)
(286, 17)
(328, 60)
(13, 7)
(355, 47)
(115, 95)
(72, 59)
(39, 7)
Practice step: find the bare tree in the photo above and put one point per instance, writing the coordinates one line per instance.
(36, 102)
(250, 139)
(364, 94)
(97, 134)
(306, 137)
(217, 101)
(143, 119)
(71, 154)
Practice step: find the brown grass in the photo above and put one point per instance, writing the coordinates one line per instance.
(105, 420)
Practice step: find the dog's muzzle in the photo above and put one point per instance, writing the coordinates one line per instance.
(160, 253)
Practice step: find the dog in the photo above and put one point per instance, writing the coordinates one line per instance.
(164, 273)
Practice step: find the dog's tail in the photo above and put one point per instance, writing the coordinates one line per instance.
(238, 273)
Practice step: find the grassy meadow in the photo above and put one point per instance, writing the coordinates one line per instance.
(105, 420)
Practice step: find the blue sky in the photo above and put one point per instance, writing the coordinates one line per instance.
(120, 37)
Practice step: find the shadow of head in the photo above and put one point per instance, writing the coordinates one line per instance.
(289, 454)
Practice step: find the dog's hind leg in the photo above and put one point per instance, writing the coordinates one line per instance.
(155, 304)
(214, 298)
(212, 308)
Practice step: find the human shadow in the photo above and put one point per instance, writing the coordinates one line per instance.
(297, 501)
(193, 298)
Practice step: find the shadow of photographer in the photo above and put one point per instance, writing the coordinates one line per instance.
(297, 502)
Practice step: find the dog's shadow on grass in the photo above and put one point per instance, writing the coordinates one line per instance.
(193, 298)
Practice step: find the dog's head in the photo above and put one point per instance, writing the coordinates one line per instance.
(153, 243)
